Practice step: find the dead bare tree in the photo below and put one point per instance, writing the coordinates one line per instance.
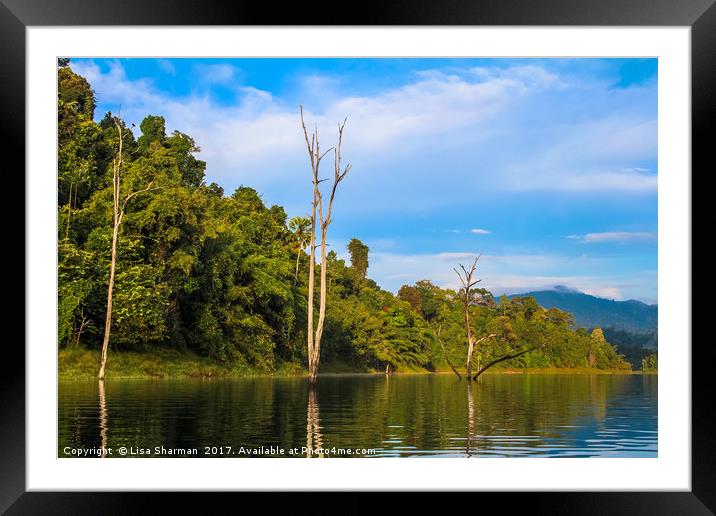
(319, 221)
(84, 322)
(118, 213)
(466, 278)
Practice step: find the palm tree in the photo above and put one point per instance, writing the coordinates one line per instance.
(300, 226)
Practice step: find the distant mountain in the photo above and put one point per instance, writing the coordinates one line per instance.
(590, 311)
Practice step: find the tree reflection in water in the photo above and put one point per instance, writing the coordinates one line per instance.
(399, 415)
(103, 418)
(314, 439)
(470, 418)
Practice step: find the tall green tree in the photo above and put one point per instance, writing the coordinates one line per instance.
(359, 257)
(74, 89)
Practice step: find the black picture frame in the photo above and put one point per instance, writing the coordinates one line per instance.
(700, 15)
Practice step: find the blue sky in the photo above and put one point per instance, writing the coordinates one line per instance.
(546, 166)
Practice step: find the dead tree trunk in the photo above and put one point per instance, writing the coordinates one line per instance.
(467, 284)
(84, 322)
(118, 214)
(319, 221)
(116, 220)
(477, 343)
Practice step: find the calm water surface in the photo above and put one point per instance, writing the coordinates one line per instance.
(397, 416)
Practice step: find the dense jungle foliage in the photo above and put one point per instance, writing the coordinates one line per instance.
(224, 276)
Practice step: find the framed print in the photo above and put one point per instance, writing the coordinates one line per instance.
(444, 249)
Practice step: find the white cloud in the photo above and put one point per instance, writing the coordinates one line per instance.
(512, 274)
(530, 74)
(444, 138)
(487, 129)
(216, 73)
(476, 231)
(520, 284)
(113, 87)
(591, 182)
(606, 292)
(395, 270)
(614, 236)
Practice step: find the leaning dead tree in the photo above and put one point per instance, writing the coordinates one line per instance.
(118, 214)
(466, 278)
(320, 221)
(503, 358)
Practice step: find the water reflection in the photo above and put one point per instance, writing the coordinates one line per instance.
(102, 418)
(397, 415)
(470, 417)
(314, 439)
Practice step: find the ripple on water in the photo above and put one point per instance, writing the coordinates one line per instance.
(411, 416)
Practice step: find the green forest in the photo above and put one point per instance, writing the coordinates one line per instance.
(210, 282)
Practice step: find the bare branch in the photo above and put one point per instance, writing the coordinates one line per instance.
(502, 359)
(310, 145)
(485, 338)
(437, 337)
(459, 276)
(459, 377)
(144, 190)
(322, 155)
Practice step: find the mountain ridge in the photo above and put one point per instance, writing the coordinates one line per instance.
(590, 311)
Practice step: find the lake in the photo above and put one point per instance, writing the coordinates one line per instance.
(501, 415)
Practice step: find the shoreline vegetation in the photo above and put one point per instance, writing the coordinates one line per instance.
(164, 275)
(81, 364)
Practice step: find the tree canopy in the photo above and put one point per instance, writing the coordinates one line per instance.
(359, 257)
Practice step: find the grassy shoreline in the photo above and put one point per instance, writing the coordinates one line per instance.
(82, 364)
